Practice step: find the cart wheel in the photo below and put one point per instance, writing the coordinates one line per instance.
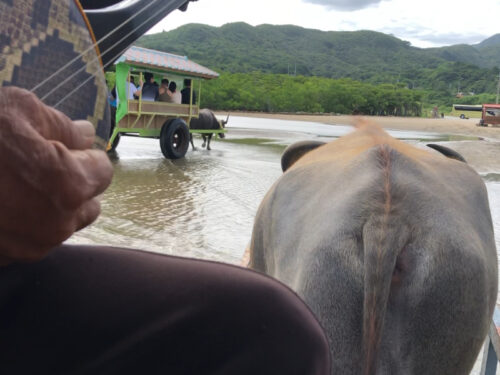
(462, 116)
(115, 143)
(174, 139)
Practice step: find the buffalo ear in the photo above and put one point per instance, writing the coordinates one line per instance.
(295, 151)
(448, 152)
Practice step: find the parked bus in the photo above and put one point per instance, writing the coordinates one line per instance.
(465, 111)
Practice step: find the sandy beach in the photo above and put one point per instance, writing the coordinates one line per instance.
(466, 127)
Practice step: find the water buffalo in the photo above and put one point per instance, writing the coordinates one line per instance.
(391, 246)
(207, 121)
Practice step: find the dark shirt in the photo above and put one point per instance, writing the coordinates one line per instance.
(150, 91)
(186, 93)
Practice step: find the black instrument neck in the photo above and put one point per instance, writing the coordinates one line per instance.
(113, 19)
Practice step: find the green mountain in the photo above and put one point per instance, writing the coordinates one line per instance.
(238, 47)
(490, 42)
(485, 54)
(460, 53)
(490, 50)
(360, 55)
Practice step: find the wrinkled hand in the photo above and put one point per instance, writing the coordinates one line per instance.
(49, 177)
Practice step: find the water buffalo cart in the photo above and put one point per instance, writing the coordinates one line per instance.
(169, 122)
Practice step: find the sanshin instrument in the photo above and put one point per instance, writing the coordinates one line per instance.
(58, 49)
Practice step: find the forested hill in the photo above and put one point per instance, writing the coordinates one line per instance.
(485, 54)
(361, 55)
(241, 48)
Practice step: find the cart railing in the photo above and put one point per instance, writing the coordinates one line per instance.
(162, 108)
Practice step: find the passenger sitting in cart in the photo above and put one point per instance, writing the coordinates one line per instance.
(186, 92)
(132, 91)
(131, 88)
(169, 92)
(149, 89)
(176, 95)
(164, 94)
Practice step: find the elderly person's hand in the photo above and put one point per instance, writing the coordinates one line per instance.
(49, 176)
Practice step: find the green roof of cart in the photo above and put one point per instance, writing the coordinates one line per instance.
(164, 61)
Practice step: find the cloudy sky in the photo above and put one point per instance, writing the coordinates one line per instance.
(424, 23)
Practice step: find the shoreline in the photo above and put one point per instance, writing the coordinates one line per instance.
(448, 125)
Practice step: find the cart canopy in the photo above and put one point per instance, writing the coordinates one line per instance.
(166, 62)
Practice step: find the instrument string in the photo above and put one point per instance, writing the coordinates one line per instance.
(99, 68)
(94, 45)
(92, 76)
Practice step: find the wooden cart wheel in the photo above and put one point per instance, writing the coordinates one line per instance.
(174, 139)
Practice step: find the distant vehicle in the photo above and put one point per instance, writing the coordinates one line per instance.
(167, 122)
(465, 111)
(490, 115)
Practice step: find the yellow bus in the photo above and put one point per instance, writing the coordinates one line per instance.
(465, 111)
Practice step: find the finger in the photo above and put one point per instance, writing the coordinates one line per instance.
(87, 132)
(87, 214)
(56, 126)
(98, 171)
(49, 122)
(41, 224)
(47, 228)
(67, 178)
(82, 175)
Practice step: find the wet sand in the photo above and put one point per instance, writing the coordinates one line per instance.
(447, 125)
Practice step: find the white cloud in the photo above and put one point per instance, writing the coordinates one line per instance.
(345, 5)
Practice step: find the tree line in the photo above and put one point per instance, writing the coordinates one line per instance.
(284, 93)
(266, 92)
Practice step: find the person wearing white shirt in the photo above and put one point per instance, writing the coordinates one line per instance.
(131, 90)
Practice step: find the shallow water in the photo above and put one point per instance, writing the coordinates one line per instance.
(201, 206)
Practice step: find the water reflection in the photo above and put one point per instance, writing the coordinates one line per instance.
(201, 206)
